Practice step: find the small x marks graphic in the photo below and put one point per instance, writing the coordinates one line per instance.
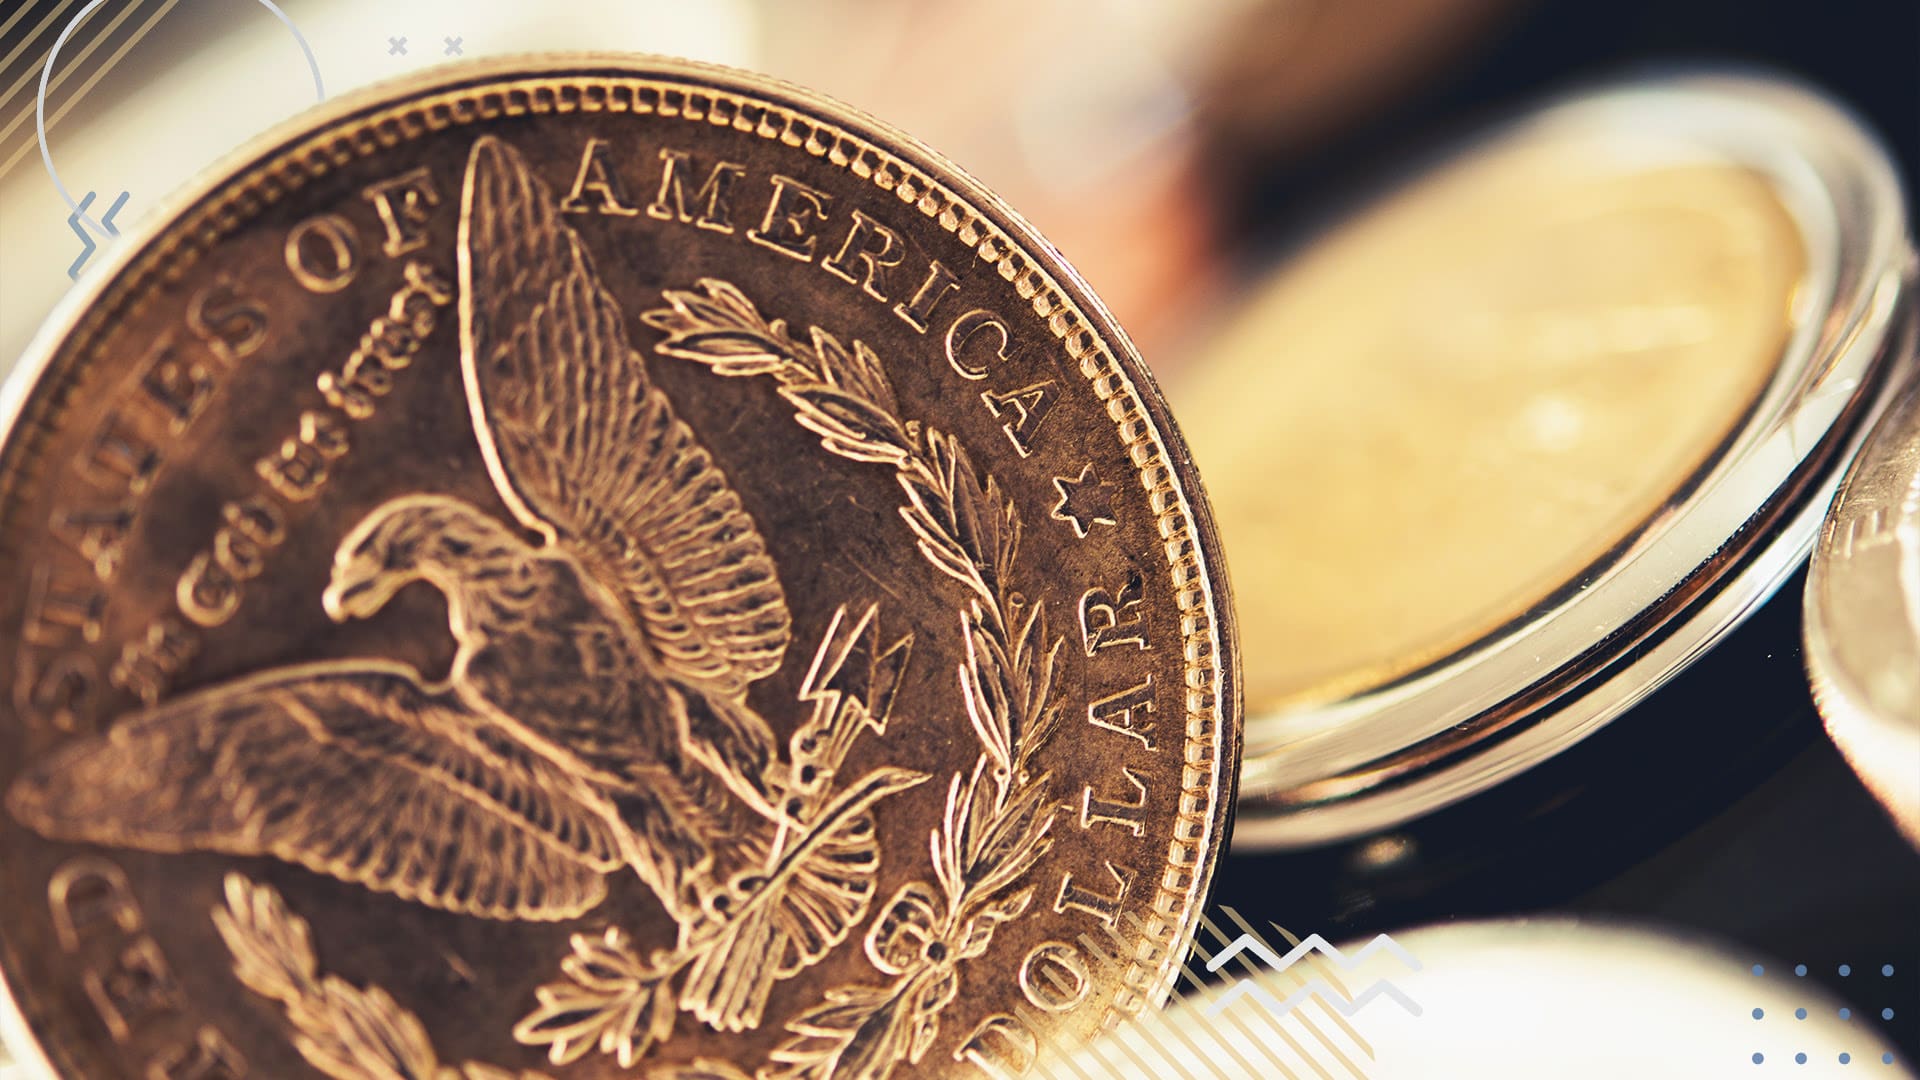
(453, 45)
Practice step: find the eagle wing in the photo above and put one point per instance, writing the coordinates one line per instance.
(351, 770)
(585, 449)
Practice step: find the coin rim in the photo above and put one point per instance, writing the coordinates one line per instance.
(1853, 720)
(291, 152)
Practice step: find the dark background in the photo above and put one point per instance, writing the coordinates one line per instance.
(1719, 807)
(1863, 52)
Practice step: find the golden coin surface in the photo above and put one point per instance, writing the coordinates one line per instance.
(1445, 410)
(1863, 614)
(596, 566)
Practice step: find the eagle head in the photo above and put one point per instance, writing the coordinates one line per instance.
(406, 540)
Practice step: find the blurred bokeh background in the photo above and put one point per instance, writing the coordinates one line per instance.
(1175, 151)
(1167, 147)
(1139, 135)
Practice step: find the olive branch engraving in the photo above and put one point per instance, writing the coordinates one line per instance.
(614, 1000)
(610, 999)
(345, 1031)
(997, 817)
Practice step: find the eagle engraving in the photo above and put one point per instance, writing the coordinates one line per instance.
(594, 718)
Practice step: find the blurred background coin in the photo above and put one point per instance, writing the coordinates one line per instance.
(1561, 413)
(1588, 561)
(1482, 387)
(1863, 614)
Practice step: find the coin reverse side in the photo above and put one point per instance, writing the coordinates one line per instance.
(596, 567)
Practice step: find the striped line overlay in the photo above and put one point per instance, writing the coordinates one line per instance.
(1228, 1017)
(99, 44)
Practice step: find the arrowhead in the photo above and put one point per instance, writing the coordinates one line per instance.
(855, 669)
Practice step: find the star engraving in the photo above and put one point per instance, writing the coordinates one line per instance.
(1084, 502)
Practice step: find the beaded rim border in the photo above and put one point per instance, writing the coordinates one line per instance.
(387, 115)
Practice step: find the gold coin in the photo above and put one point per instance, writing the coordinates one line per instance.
(1445, 411)
(585, 565)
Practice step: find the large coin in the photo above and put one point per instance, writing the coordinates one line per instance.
(596, 567)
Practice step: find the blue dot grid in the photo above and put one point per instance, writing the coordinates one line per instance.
(1886, 970)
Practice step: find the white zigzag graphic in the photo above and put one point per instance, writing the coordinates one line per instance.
(1259, 948)
(1315, 987)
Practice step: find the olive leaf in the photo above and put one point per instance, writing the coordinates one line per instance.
(615, 1003)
